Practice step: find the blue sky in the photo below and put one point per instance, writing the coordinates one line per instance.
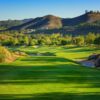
(20, 9)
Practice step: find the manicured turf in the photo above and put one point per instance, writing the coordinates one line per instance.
(50, 77)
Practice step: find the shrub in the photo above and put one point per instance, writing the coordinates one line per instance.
(5, 55)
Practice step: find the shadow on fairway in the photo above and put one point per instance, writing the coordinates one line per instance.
(70, 72)
(67, 71)
(52, 96)
(83, 50)
(45, 59)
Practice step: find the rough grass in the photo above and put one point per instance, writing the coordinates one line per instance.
(50, 77)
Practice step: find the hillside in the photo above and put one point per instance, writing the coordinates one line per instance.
(5, 24)
(89, 17)
(46, 22)
(9, 23)
(88, 22)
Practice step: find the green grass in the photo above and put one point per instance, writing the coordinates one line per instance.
(50, 77)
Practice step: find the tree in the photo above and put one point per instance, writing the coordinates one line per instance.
(32, 42)
(63, 41)
(97, 41)
(26, 40)
(90, 38)
(15, 41)
(79, 40)
(48, 40)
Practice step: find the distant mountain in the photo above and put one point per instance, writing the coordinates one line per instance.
(5, 24)
(89, 17)
(46, 22)
(90, 21)
(9, 23)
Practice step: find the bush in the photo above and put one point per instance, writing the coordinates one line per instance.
(5, 55)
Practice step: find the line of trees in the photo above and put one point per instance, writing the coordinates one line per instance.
(19, 39)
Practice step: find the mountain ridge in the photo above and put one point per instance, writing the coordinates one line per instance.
(89, 20)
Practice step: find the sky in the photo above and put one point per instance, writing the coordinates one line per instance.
(22, 9)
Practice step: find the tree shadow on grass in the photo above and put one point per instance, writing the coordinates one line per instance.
(83, 50)
(45, 59)
(52, 96)
(70, 72)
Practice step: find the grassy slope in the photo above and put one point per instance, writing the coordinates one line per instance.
(50, 77)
